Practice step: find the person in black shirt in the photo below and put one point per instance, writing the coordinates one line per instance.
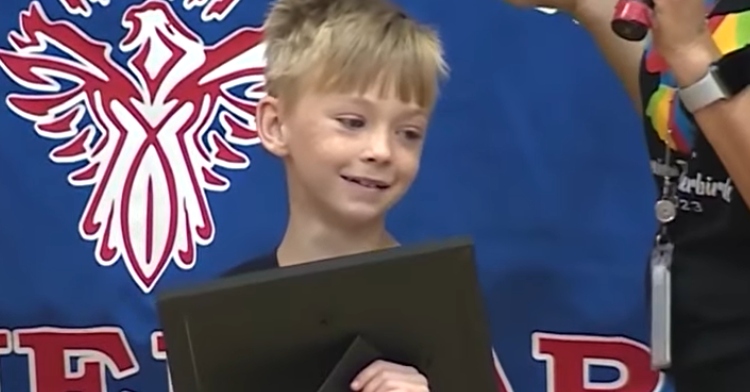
(705, 151)
(351, 85)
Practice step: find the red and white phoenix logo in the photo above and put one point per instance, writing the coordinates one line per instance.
(143, 130)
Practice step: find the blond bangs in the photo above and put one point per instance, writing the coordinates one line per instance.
(355, 54)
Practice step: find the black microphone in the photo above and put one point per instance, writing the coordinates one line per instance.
(632, 19)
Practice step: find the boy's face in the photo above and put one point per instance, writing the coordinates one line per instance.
(348, 155)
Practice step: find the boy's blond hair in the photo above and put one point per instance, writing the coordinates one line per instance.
(347, 46)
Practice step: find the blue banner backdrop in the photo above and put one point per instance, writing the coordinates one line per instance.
(123, 113)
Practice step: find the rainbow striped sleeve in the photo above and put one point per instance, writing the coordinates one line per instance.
(732, 32)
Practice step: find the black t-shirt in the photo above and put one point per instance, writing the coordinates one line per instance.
(711, 265)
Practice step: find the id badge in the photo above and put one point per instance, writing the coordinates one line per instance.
(661, 306)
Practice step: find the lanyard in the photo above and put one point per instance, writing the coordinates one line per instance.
(665, 211)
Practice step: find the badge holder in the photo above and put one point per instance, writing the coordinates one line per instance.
(665, 210)
(661, 306)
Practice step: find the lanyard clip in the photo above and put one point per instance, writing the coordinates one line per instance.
(662, 253)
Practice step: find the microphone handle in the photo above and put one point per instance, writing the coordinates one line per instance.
(632, 19)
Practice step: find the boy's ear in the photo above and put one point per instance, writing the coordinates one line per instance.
(270, 127)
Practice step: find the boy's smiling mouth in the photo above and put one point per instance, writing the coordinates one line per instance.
(367, 182)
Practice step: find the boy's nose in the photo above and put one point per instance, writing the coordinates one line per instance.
(379, 147)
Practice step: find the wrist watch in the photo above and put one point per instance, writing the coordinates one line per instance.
(725, 78)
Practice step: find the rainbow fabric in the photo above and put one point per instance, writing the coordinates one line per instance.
(730, 32)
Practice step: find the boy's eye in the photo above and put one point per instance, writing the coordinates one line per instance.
(351, 122)
(411, 134)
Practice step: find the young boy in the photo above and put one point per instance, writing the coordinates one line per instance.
(351, 85)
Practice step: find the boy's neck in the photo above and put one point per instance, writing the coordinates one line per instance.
(308, 240)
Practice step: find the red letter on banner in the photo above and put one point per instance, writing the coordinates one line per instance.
(159, 352)
(95, 352)
(5, 346)
(569, 360)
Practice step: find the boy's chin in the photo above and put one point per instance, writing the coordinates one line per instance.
(360, 214)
